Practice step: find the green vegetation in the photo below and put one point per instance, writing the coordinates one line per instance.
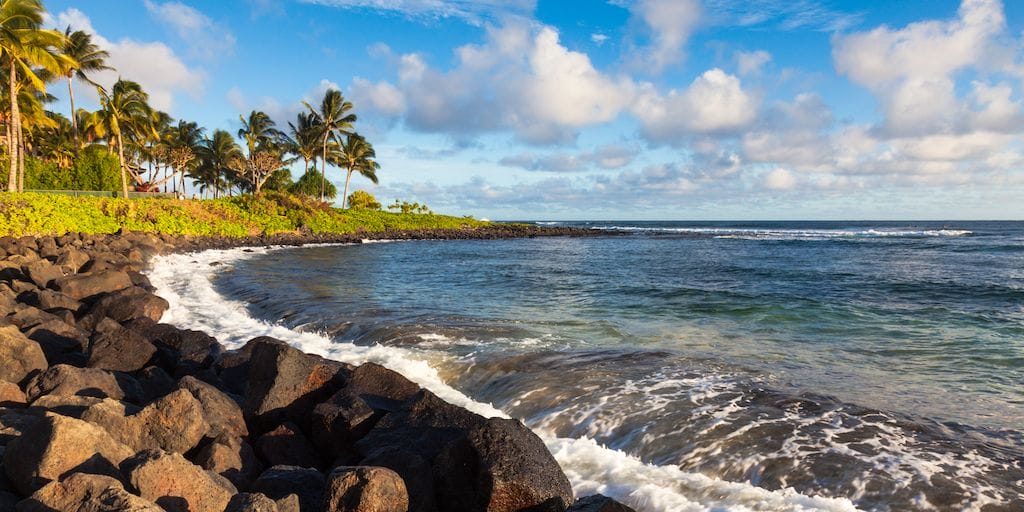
(239, 216)
(362, 200)
(150, 150)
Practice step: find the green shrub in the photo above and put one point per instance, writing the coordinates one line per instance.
(362, 200)
(309, 186)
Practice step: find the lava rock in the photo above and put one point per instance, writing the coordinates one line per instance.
(176, 484)
(56, 445)
(87, 493)
(251, 502)
(63, 379)
(71, 260)
(279, 482)
(286, 446)
(87, 286)
(11, 395)
(181, 350)
(22, 357)
(120, 350)
(231, 458)
(155, 382)
(173, 423)
(126, 305)
(42, 272)
(598, 503)
(220, 411)
(365, 489)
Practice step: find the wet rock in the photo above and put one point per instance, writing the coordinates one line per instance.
(86, 493)
(251, 502)
(121, 350)
(126, 305)
(286, 446)
(477, 463)
(21, 357)
(279, 482)
(231, 458)
(285, 383)
(365, 489)
(42, 272)
(57, 445)
(220, 411)
(86, 286)
(11, 395)
(63, 379)
(174, 483)
(598, 503)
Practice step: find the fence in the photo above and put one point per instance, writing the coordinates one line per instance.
(102, 193)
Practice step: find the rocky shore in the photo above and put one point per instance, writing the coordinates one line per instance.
(103, 408)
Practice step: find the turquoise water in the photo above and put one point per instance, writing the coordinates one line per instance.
(879, 362)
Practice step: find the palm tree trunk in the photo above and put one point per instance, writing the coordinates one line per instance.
(323, 171)
(21, 159)
(10, 144)
(74, 118)
(120, 157)
(12, 175)
(344, 197)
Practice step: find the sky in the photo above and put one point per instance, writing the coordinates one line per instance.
(614, 109)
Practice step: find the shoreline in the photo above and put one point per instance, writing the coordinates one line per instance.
(156, 401)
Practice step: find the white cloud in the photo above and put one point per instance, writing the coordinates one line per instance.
(670, 24)
(153, 65)
(598, 39)
(714, 102)
(780, 179)
(472, 11)
(611, 156)
(751, 63)
(204, 38)
(379, 96)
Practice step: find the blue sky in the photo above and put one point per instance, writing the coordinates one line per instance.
(617, 109)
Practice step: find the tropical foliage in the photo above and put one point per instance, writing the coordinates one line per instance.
(362, 200)
(152, 151)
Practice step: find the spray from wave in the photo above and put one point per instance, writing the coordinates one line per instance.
(591, 467)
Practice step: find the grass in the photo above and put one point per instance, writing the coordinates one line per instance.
(43, 214)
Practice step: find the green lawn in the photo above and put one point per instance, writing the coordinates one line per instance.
(43, 214)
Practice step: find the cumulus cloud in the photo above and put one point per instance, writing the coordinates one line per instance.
(713, 102)
(669, 24)
(779, 179)
(472, 11)
(522, 79)
(153, 65)
(204, 37)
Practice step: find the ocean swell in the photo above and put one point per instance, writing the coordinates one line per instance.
(185, 281)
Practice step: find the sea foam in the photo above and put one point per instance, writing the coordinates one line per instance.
(185, 280)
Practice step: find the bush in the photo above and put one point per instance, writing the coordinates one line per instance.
(362, 200)
(93, 169)
(43, 175)
(309, 186)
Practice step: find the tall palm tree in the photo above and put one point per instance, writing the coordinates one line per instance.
(303, 139)
(259, 131)
(25, 48)
(219, 156)
(85, 58)
(184, 141)
(333, 118)
(357, 155)
(124, 113)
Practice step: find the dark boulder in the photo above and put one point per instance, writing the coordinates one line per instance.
(415, 472)
(339, 422)
(249, 502)
(174, 423)
(88, 493)
(47, 300)
(120, 349)
(126, 305)
(58, 445)
(598, 503)
(71, 260)
(21, 357)
(365, 489)
(286, 383)
(278, 482)
(286, 446)
(220, 411)
(477, 463)
(176, 484)
(231, 458)
(87, 286)
(180, 351)
(155, 382)
(63, 379)
(42, 272)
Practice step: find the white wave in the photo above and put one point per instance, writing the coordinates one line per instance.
(185, 281)
(795, 233)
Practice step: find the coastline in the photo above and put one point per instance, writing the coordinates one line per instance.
(94, 363)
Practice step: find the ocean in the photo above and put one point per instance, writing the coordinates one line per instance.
(681, 365)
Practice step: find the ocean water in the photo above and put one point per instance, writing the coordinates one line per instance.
(685, 366)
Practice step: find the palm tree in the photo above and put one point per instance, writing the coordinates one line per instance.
(124, 113)
(303, 139)
(259, 131)
(25, 48)
(85, 58)
(184, 142)
(356, 155)
(219, 157)
(333, 118)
